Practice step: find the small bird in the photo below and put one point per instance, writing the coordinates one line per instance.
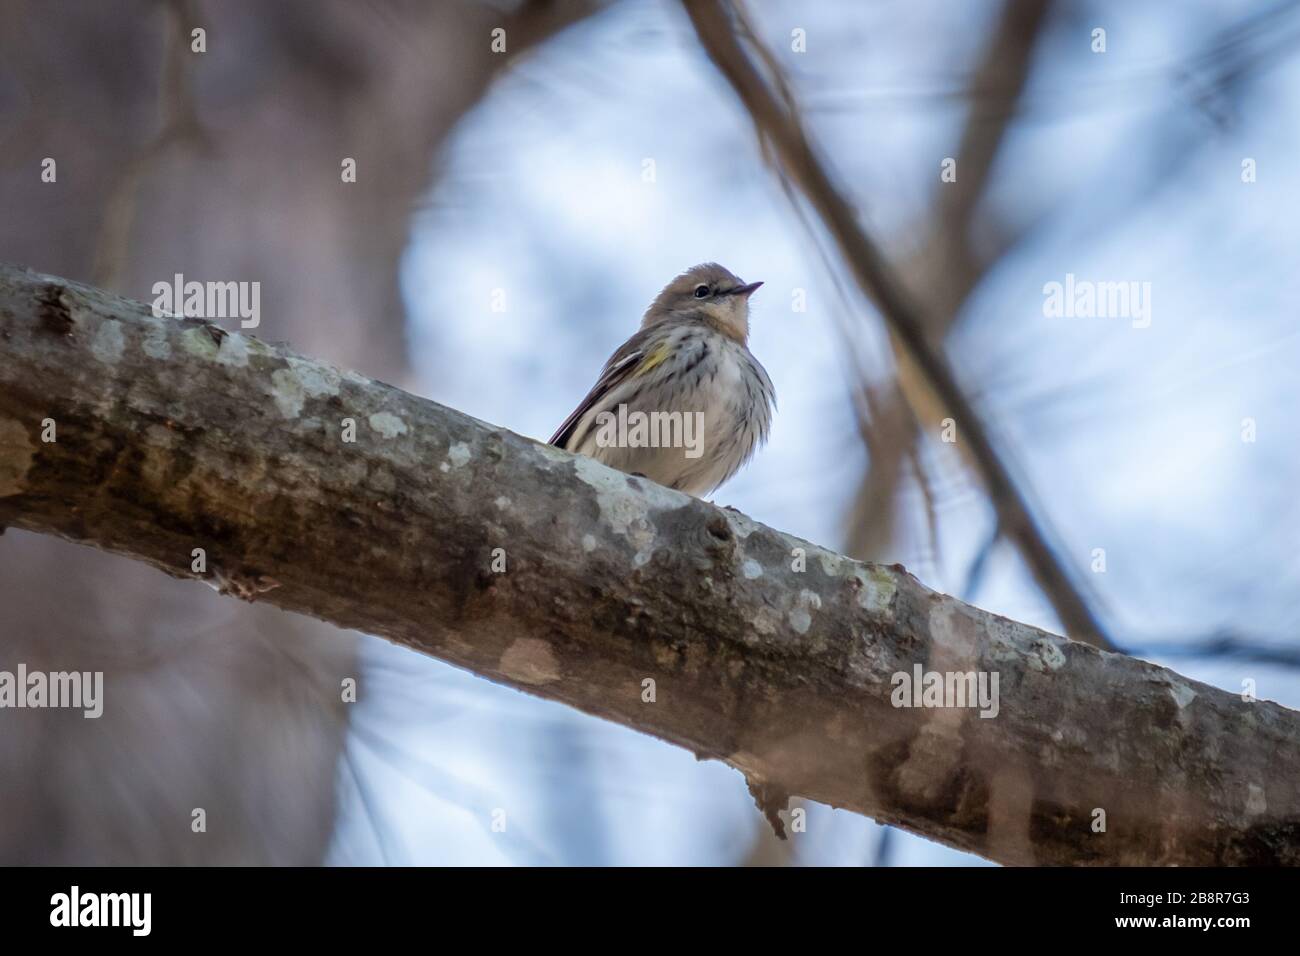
(682, 402)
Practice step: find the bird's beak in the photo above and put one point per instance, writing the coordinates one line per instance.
(746, 290)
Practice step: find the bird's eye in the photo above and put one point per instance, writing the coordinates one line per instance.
(701, 291)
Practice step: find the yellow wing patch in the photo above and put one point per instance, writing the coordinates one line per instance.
(655, 358)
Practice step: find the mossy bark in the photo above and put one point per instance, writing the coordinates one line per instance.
(558, 576)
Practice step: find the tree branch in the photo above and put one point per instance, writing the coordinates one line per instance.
(781, 130)
(948, 265)
(765, 651)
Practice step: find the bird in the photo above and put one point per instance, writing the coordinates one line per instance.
(682, 402)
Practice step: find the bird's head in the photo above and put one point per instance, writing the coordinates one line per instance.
(705, 293)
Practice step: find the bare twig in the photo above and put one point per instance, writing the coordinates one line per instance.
(947, 264)
(178, 124)
(783, 133)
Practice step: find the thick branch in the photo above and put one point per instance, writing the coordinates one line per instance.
(765, 651)
(780, 128)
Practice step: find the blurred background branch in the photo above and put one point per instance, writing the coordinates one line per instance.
(933, 390)
(215, 164)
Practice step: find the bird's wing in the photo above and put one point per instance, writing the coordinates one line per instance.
(621, 366)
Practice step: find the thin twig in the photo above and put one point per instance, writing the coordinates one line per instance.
(784, 134)
(178, 124)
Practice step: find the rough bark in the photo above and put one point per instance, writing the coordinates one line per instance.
(766, 651)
